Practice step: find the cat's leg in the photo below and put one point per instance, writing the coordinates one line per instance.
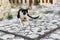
(20, 21)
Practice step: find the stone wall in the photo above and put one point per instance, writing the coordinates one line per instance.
(58, 1)
(4, 8)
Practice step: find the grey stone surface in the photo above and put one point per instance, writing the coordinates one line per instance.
(32, 28)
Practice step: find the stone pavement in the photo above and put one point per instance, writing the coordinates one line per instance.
(32, 28)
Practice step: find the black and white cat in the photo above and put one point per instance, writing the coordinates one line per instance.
(23, 14)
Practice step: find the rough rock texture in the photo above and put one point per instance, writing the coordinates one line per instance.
(58, 2)
(4, 8)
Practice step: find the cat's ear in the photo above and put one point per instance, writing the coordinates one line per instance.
(27, 9)
(22, 10)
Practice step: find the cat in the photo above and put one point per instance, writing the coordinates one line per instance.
(23, 14)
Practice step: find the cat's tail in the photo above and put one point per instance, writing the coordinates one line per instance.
(32, 17)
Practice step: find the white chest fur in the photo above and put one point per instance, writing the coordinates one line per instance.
(23, 17)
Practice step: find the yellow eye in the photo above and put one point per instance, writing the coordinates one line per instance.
(0, 2)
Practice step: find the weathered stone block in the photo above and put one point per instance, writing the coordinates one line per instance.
(4, 8)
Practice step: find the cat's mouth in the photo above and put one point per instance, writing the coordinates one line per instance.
(24, 19)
